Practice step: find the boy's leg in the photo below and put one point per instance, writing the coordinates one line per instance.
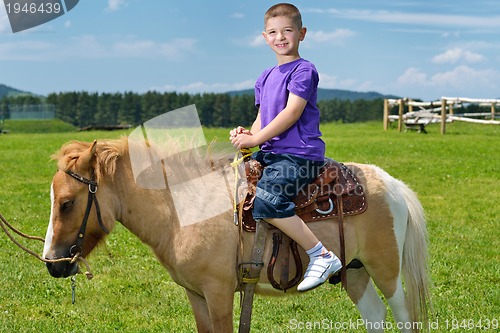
(297, 230)
(283, 177)
(322, 263)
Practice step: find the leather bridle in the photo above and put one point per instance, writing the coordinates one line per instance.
(77, 247)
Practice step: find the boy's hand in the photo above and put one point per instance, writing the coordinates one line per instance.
(238, 130)
(241, 138)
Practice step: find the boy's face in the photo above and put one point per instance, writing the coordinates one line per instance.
(283, 36)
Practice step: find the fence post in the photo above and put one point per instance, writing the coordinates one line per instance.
(386, 114)
(400, 119)
(443, 116)
(493, 111)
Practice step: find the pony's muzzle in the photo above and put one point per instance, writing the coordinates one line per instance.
(62, 269)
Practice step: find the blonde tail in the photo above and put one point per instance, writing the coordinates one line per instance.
(415, 261)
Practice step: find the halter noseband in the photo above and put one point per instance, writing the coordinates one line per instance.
(77, 248)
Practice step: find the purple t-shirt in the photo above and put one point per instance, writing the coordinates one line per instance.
(271, 95)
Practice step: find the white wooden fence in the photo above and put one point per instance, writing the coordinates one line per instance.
(420, 114)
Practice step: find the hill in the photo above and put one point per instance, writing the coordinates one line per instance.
(329, 94)
(326, 94)
(323, 94)
(6, 91)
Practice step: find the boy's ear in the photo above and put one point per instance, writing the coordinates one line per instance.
(303, 32)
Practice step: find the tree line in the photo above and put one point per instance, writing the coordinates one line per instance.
(214, 109)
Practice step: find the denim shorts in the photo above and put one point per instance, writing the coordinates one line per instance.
(281, 181)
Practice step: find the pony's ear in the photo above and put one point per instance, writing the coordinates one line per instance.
(88, 157)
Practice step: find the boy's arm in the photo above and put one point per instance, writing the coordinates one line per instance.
(283, 121)
(256, 124)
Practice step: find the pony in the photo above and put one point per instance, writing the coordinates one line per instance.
(389, 238)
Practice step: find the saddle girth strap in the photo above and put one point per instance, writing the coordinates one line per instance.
(343, 270)
(250, 275)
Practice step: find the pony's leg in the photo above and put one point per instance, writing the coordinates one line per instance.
(363, 294)
(200, 310)
(220, 301)
(398, 306)
(392, 289)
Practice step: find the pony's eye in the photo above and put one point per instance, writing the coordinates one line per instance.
(67, 205)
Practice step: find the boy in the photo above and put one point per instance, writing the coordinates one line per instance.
(287, 131)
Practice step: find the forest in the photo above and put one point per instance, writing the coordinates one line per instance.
(83, 109)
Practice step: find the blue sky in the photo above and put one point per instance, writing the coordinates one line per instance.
(419, 49)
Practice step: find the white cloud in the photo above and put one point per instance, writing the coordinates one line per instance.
(85, 46)
(177, 47)
(134, 48)
(4, 20)
(461, 81)
(327, 81)
(333, 82)
(24, 50)
(247, 84)
(95, 47)
(321, 36)
(455, 55)
(367, 86)
(413, 76)
(448, 34)
(203, 87)
(482, 45)
(115, 5)
(237, 15)
(461, 77)
(427, 19)
(151, 49)
(257, 41)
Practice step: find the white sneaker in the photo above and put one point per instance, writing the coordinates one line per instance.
(319, 270)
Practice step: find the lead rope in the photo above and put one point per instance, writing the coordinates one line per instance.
(239, 158)
(72, 260)
(245, 152)
(77, 257)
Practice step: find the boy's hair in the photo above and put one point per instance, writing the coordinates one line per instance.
(284, 9)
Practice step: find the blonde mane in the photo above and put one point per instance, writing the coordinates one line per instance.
(108, 152)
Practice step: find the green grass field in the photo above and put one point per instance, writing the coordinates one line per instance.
(456, 177)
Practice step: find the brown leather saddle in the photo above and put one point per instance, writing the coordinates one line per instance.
(317, 201)
(335, 193)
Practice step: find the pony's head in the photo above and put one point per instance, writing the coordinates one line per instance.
(78, 220)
